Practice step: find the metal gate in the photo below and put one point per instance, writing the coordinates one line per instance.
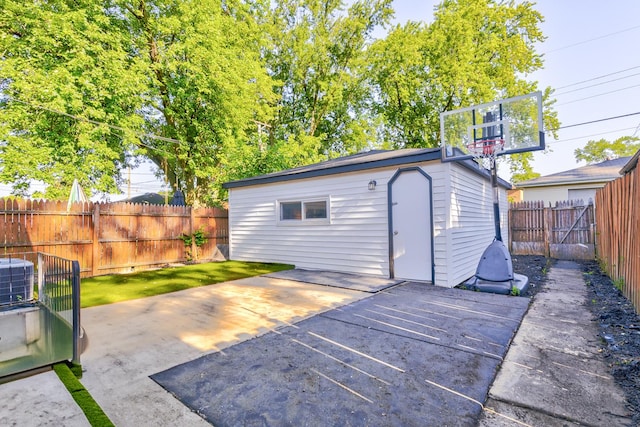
(44, 328)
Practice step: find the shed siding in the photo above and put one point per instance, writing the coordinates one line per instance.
(439, 195)
(356, 240)
(471, 227)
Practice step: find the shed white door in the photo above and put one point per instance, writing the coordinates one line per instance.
(411, 226)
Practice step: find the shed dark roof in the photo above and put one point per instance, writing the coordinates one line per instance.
(356, 162)
(599, 172)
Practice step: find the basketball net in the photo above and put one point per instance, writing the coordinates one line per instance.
(485, 151)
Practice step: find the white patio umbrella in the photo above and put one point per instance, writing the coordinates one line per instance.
(76, 195)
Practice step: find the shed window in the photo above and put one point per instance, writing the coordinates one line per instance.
(290, 211)
(313, 211)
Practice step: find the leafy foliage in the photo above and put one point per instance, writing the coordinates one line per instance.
(62, 66)
(206, 85)
(198, 238)
(601, 150)
(473, 52)
(213, 90)
(520, 167)
(187, 71)
(316, 59)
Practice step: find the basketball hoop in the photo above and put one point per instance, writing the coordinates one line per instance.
(486, 150)
(486, 147)
(485, 131)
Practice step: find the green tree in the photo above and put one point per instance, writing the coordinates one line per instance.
(207, 85)
(316, 57)
(475, 51)
(60, 67)
(189, 72)
(601, 150)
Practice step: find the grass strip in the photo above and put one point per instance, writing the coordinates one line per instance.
(94, 413)
(102, 290)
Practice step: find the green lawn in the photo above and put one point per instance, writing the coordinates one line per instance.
(109, 289)
(94, 413)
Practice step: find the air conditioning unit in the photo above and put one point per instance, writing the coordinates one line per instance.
(16, 280)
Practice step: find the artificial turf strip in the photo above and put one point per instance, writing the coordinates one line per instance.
(94, 413)
(102, 290)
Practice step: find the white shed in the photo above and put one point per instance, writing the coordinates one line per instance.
(401, 214)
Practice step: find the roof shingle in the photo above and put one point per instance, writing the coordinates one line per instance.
(599, 172)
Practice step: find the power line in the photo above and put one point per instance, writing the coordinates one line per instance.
(597, 84)
(597, 95)
(95, 122)
(593, 39)
(156, 181)
(595, 121)
(557, 141)
(598, 77)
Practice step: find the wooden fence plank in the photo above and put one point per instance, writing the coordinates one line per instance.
(565, 231)
(617, 225)
(108, 238)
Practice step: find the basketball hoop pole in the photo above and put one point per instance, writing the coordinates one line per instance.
(490, 145)
(496, 199)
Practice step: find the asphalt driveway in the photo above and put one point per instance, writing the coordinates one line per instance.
(412, 355)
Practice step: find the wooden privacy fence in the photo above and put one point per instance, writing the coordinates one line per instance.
(618, 227)
(110, 238)
(565, 231)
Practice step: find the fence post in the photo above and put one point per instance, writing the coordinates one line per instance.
(548, 226)
(40, 276)
(192, 224)
(509, 226)
(95, 242)
(75, 292)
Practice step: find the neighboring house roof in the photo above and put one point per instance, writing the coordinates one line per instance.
(146, 198)
(599, 172)
(156, 199)
(631, 164)
(357, 162)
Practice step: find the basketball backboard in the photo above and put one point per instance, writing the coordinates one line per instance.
(498, 128)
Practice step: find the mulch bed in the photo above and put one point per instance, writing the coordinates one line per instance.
(620, 333)
(619, 323)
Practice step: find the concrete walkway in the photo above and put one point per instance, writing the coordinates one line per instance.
(553, 374)
(39, 400)
(132, 340)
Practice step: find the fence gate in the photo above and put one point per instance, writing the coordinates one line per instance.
(565, 231)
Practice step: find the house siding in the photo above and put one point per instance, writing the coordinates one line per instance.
(552, 194)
